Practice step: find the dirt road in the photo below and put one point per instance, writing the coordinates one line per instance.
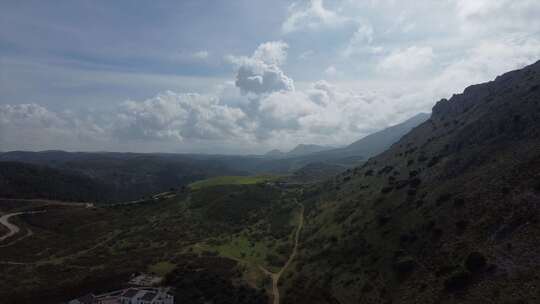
(12, 228)
(276, 276)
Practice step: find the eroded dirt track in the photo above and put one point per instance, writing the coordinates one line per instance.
(277, 275)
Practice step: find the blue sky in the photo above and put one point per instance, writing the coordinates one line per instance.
(242, 76)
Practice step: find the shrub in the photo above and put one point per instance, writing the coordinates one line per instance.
(422, 158)
(415, 182)
(459, 202)
(444, 198)
(461, 225)
(537, 187)
(405, 265)
(367, 287)
(385, 170)
(385, 190)
(457, 281)
(383, 219)
(434, 160)
(475, 262)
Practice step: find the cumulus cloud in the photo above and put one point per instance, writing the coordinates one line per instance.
(272, 52)
(178, 117)
(261, 109)
(261, 73)
(311, 16)
(31, 126)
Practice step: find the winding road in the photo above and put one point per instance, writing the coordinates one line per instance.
(12, 228)
(277, 275)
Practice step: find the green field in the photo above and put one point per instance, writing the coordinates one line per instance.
(232, 180)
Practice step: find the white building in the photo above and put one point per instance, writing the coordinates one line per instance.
(138, 295)
(146, 296)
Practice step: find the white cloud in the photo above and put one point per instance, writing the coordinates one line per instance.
(488, 16)
(409, 60)
(272, 114)
(178, 117)
(312, 16)
(484, 62)
(201, 55)
(331, 71)
(261, 73)
(272, 52)
(361, 42)
(31, 126)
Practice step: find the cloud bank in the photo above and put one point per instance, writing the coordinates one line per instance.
(333, 72)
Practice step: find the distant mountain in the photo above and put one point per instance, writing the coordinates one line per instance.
(127, 176)
(377, 142)
(299, 150)
(304, 149)
(275, 153)
(130, 176)
(450, 213)
(351, 155)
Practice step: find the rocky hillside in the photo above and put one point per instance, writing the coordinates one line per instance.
(449, 214)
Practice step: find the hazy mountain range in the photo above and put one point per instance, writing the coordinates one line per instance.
(129, 176)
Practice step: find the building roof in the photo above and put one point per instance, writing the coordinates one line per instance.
(87, 299)
(130, 293)
(149, 296)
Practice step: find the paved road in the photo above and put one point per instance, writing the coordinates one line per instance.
(13, 229)
(276, 276)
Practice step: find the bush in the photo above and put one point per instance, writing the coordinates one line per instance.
(434, 160)
(405, 265)
(457, 281)
(415, 182)
(459, 202)
(383, 219)
(385, 190)
(475, 262)
(537, 187)
(444, 198)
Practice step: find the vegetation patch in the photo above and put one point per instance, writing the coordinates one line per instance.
(161, 268)
(232, 180)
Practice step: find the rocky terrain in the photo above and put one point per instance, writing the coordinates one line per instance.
(449, 214)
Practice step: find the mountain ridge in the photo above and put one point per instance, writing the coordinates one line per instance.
(440, 215)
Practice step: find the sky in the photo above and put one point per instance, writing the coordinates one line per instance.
(242, 76)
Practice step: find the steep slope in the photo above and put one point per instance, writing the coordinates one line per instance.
(377, 142)
(313, 172)
(449, 214)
